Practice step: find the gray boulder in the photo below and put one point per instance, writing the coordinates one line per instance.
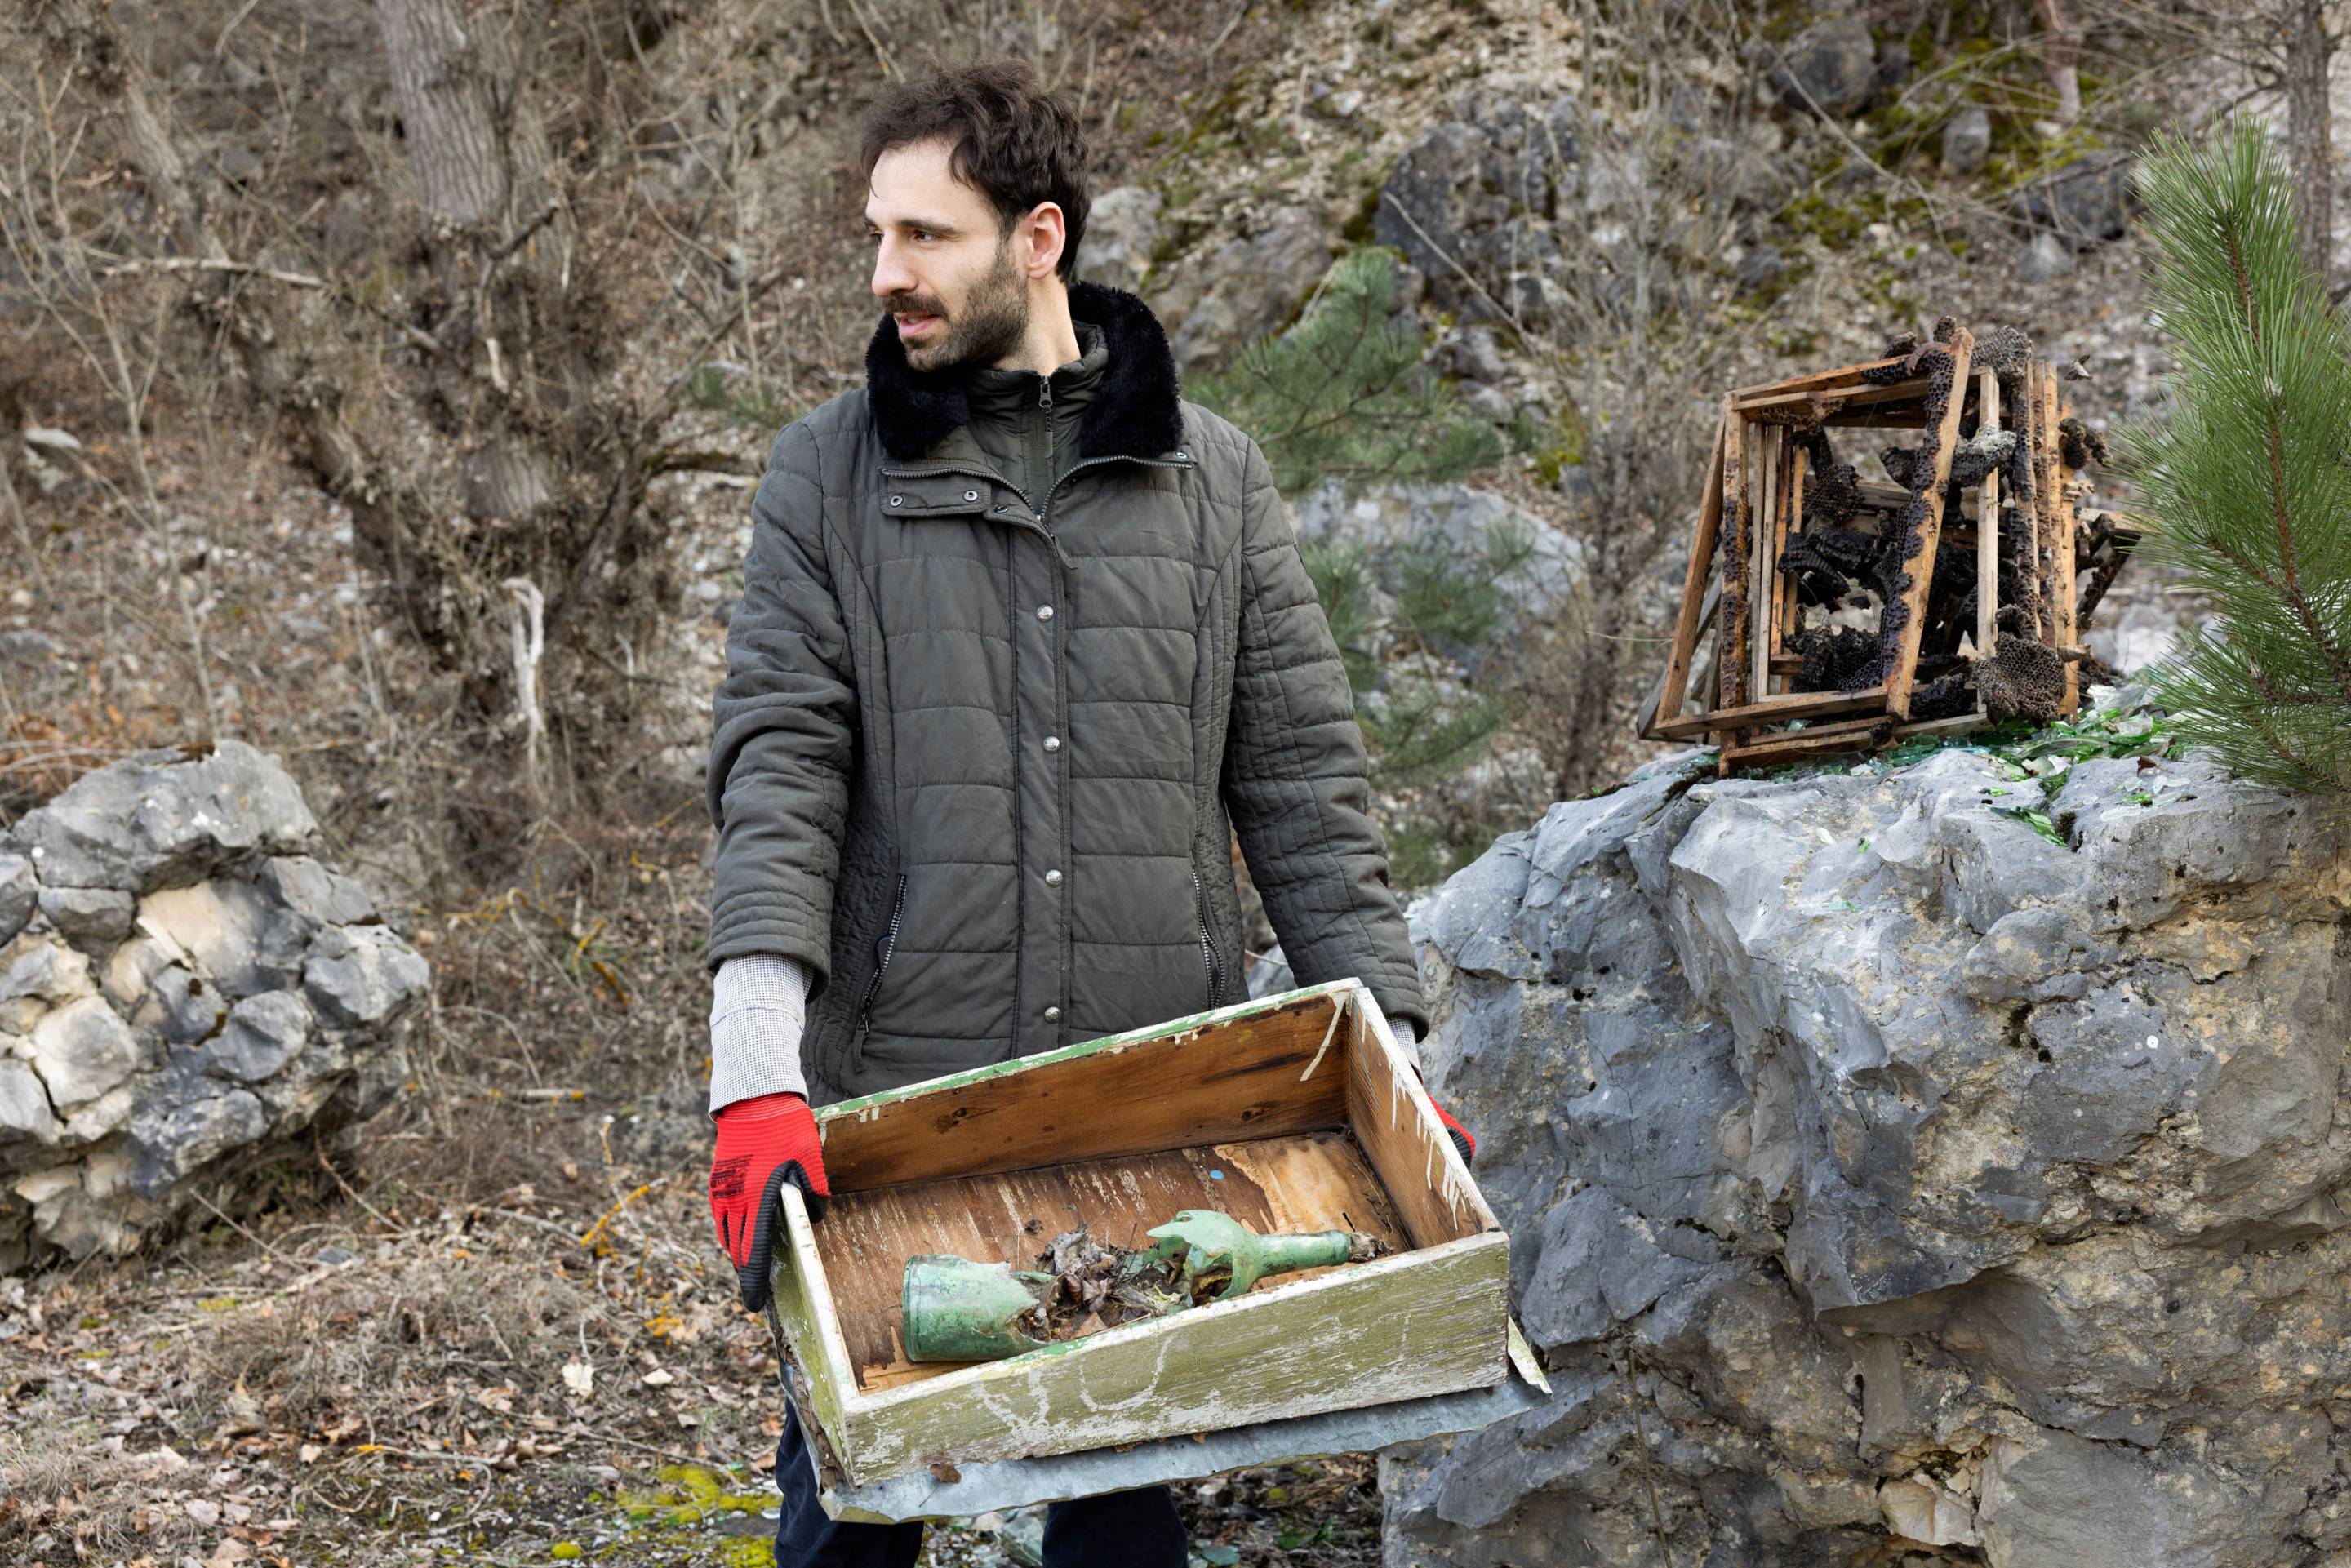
(2082, 204)
(1889, 1183)
(1243, 290)
(1831, 65)
(1121, 232)
(1967, 141)
(194, 996)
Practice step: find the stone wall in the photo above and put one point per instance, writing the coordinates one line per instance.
(1889, 1183)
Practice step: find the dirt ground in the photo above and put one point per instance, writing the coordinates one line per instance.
(513, 1380)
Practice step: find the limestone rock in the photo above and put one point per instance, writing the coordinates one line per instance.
(1967, 141)
(1916, 1184)
(1244, 289)
(194, 994)
(2086, 202)
(1829, 67)
(1121, 232)
(165, 817)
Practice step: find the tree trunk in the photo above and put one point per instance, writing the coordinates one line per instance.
(2063, 54)
(2310, 131)
(481, 156)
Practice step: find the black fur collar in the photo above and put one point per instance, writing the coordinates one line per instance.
(1133, 414)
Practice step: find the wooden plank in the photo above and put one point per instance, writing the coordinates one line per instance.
(1762, 573)
(1390, 1114)
(1137, 1092)
(1988, 524)
(2061, 563)
(802, 1292)
(1816, 381)
(1921, 565)
(1861, 395)
(2043, 435)
(1671, 691)
(1791, 521)
(1814, 742)
(1301, 1182)
(1731, 624)
(1418, 1323)
(1783, 709)
(1646, 725)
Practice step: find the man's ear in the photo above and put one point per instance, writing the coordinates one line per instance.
(1043, 232)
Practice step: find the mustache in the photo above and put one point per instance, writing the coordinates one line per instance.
(907, 308)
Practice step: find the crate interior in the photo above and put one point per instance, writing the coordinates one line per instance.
(1216, 1118)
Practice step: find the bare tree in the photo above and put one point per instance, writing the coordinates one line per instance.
(2310, 129)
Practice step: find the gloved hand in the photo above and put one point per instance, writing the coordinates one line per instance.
(763, 1142)
(1463, 1143)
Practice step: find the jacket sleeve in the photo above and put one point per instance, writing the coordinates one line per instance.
(1295, 774)
(783, 733)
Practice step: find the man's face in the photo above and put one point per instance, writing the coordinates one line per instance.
(954, 283)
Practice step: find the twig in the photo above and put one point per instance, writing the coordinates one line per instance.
(319, 1148)
(241, 1230)
(212, 264)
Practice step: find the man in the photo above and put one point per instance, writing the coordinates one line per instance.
(1024, 639)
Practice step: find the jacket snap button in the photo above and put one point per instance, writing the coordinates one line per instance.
(1052, 1015)
(1052, 879)
(971, 494)
(894, 500)
(1053, 743)
(1044, 612)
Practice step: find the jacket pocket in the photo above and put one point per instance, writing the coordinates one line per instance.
(1210, 957)
(887, 946)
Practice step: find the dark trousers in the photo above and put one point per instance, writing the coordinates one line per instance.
(1137, 1528)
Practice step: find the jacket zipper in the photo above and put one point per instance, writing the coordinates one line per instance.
(1209, 957)
(889, 948)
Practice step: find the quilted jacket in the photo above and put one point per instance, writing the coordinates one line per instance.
(979, 752)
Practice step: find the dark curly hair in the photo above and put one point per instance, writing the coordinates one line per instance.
(1012, 140)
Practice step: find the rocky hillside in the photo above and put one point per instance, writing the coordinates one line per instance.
(1941, 1161)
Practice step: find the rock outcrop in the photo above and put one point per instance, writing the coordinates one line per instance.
(184, 990)
(1889, 1182)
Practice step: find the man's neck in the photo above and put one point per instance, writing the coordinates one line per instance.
(1052, 339)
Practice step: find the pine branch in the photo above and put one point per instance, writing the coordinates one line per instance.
(2264, 384)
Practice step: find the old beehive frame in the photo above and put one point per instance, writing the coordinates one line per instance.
(1741, 583)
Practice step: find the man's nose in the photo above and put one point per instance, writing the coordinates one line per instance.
(891, 274)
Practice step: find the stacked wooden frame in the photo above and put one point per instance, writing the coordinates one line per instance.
(1754, 504)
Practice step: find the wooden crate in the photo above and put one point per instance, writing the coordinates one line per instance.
(1292, 1113)
(1754, 504)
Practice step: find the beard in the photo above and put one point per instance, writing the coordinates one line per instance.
(990, 325)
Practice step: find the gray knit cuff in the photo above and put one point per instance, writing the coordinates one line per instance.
(758, 1007)
(1407, 1036)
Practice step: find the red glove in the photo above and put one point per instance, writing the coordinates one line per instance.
(762, 1143)
(1463, 1143)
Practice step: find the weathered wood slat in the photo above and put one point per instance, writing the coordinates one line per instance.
(1988, 524)
(1860, 394)
(1002, 1120)
(1921, 565)
(1671, 691)
(1815, 381)
(1422, 1322)
(2061, 565)
(1783, 709)
(1764, 577)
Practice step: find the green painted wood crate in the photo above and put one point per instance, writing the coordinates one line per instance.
(1295, 1112)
